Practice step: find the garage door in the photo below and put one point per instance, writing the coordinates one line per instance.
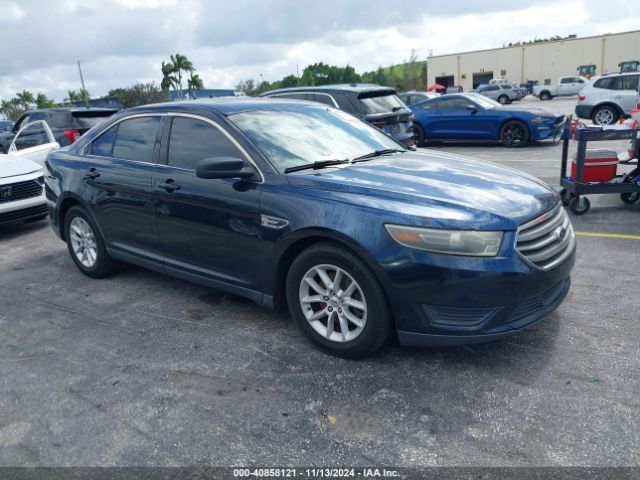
(480, 78)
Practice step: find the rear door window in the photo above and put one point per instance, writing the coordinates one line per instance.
(135, 139)
(192, 140)
(323, 98)
(627, 82)
(606, 83)
(380, 102)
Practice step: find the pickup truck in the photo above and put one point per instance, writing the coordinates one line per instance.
(565, 86)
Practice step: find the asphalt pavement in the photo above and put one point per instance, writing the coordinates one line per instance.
(140, 369)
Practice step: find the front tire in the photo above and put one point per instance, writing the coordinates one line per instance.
(514, 134)
(605, 115)
(85, 244)
(337, 301)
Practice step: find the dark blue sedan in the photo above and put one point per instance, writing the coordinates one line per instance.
(470, 116)
(302, 206)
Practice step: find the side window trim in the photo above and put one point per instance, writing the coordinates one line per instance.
(290, 94)
(165, 146)
(88, 148)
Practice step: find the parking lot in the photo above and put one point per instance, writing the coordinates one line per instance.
(144, 369)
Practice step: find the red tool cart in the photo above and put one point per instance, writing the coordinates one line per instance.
(594, 171)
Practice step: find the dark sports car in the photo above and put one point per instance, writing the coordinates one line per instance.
(470, 116)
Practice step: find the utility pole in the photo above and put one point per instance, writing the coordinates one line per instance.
(84, 90)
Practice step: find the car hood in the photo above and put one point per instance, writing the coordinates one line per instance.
(534, 111)
(11, 166)
(443, 189)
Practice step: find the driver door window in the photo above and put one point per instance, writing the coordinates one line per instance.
(34, 141)
(192, 140)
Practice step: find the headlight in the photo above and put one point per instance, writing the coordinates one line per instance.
(541, 119)
(474, 243)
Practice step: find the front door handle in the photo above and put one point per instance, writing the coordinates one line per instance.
(168, 186)
(92, 173)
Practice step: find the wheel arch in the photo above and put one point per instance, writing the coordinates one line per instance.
(513, 119)
(304, 239)
(607, 103)
(66, 202)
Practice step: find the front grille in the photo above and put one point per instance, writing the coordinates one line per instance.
(535, 304)
(548, 240)
(459, 318)
(24, 214)
(20, 190)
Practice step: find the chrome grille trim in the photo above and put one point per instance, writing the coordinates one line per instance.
(542, 242)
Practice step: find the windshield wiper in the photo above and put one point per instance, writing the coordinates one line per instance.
(377, 153)
(315, 165)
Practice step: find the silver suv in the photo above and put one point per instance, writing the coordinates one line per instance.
(609, 97)
(503, 92)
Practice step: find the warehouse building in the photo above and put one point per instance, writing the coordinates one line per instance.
(541, 62)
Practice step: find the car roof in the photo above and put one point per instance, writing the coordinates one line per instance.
(228, 105)
(337, 87)
(72, 109)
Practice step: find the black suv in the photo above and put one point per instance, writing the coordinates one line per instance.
(377, 105)
(66, 124)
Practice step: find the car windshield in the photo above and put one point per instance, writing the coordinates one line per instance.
(483, 101)
(289, 138)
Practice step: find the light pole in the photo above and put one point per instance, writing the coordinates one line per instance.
(84, 90)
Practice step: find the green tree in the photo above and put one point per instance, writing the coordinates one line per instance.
(169, 80)
(12, 109)
(140, 94)
(26, 99)
(194, 82)
(289, 81)
(78, 96)
(42, 101)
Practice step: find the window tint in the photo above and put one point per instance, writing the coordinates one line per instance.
(454, 104)
(567, 80)
(103, 145)
(293, 96)
(135, 139)
(626, 82)
(323, 98)
(380, 102)
(191, 140)
(32, 136)
(606, 82)
(506, 87)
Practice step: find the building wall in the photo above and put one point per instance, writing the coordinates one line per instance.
(540, 61)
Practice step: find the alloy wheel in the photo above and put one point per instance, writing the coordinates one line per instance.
(513, 135)
(83, 242)
(604, 116)
(333, 303)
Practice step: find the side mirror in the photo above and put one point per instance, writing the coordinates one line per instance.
(472, 108)
(223, 167)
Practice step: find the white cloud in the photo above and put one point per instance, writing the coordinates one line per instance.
(121, 42)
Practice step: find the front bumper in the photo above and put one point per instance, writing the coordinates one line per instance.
(440, 300)
(17, 211)
(584, 111)
(548, 130)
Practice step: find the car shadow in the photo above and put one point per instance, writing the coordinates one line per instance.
(477, 144)
(14, 230)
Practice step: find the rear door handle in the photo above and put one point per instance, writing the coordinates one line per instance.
(169, 186)
(92, 173)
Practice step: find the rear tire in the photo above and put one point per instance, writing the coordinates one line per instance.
(349, 319)
(503, 99)
(545, 96)
(85, 244)
(418, 133)
(514, 134)
(605, 115)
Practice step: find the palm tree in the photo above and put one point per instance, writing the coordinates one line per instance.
(194, 83)
(26, 98)
(42, 101)
(169, 80)
(181, 63)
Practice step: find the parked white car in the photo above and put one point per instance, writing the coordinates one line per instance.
(609, 97)
(566, 86)
(22, 194)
